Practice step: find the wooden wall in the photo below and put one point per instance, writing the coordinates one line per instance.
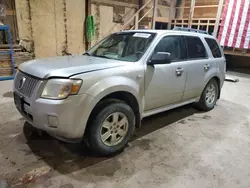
(110, 15)
(206, 12)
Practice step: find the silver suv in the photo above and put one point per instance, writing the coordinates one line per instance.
(102, 95)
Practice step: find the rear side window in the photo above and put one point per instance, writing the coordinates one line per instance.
(195, 48)
(215, 49)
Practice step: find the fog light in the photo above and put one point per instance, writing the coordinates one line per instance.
(53, 121)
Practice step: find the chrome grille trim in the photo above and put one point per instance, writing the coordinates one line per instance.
(28, 86)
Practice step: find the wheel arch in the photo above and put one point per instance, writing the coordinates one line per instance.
(123, 96)
(217, 79)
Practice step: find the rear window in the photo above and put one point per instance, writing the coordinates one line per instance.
(195, 48)
(215, 49)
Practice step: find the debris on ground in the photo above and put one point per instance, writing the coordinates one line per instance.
(3, 184)
(230, 79)
(33, 175)
(68, 185)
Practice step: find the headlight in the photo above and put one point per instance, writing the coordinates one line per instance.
(61, 88)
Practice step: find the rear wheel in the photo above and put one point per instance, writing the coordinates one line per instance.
(209, 96)
(112, 127)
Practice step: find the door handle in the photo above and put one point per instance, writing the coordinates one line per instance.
(179, 71)
(206, 67)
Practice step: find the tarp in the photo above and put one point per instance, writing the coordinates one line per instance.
(235, 26)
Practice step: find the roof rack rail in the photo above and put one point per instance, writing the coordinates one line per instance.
(189, 30)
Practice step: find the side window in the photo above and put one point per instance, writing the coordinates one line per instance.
(195, 48)
(215, 49)
(173, 45)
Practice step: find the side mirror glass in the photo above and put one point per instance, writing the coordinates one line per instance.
(160, 58)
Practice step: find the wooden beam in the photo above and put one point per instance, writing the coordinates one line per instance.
(163, 6)
(162, 19)
(218, 16)
(136, 21)
(10, 12)
(191, 12)
(145, 15)
(171, 10)
(132, 18)
(231, 52)
(154, 13)
(201, 6)
(114, 3)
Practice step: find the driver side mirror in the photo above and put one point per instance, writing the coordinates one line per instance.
(160, 58)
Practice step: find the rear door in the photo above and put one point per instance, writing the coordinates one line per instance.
(199, 68)
(218, 56)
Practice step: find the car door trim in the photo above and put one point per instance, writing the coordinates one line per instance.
(169, 107)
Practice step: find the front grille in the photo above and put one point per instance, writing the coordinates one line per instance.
(25, 84)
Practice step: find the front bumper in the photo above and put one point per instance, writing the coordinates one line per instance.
(62, 119)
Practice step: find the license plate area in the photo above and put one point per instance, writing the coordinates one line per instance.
(19, 101)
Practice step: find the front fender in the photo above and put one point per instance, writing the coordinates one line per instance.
(114, 84)
(105, 87)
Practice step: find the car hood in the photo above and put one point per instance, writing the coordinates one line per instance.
(66, 66)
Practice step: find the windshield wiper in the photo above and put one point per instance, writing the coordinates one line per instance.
(87, 53)
(103, 56)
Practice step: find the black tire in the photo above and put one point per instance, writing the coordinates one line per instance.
(29, 131)
(203, 104)
(32, 133)
(94, 140)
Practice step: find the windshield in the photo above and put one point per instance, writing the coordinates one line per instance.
(123, 46)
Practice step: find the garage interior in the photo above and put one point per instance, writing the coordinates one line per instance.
(178, 148)
(65, 25)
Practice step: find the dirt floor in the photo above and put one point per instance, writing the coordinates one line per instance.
(181, 148)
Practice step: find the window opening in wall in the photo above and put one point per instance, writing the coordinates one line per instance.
(161, 25)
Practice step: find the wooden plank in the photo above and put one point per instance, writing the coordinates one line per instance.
(191, 12)
(6, 72)
(204, 6)
(207, 27)
(208, 12)
(207, 6)
(163, 6)
(195, 19)
(201, 24)
(206, 2)
(132, 18)
(145, 14)
(171, 10)
(136, 20)
(10, 12)
(114, 3)
(5, 60)
(154, 13)
(237, 53)
(162, 19)
(181, 7)
(7, 46)
(218, 16)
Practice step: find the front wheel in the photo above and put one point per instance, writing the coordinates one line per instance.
(209, 96)
(111, 128)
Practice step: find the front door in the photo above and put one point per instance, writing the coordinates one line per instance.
(165, 83)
